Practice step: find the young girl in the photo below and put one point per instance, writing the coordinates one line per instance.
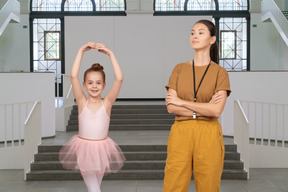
(92, 151)
(197, 92)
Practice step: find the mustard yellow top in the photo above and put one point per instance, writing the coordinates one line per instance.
(181, 80)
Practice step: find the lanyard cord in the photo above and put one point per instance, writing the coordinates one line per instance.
(196, 91)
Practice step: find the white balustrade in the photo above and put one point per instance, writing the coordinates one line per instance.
(270, 10)
(10, 11)
(32, 135)
(269, 123)
(68, 97)
(241, 134)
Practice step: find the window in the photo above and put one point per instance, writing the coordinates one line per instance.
(51, 45)
(201, 5)
(169, 5)
(227, 44)
(46, 5)
(78, 5)
(233, 5)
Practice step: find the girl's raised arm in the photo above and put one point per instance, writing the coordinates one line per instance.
(115, 89)
(76, 85)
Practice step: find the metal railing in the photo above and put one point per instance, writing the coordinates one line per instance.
(270, 10)
(32, 135)
(68, 96)
(241, 134)
(10, 11)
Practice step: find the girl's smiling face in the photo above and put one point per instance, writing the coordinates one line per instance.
(94, 84)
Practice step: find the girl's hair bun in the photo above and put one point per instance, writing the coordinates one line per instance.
(97, 67)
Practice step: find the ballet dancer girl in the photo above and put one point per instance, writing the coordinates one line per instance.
(92, 151)
(197, 92)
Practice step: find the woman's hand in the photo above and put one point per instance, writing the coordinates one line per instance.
(102, 48)
(172, 98)
(216, 98)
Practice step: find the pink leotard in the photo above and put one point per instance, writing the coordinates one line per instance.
(93, 126)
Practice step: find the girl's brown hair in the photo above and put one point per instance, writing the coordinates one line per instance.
(95, 67)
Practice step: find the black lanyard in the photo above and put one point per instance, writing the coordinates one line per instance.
(196, 91)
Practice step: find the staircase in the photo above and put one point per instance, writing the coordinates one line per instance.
(271, 12)
(132, 117)
(143, 162)
(10, 12)
(285, 13)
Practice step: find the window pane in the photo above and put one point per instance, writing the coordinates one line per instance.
(201, 5)
(233, 5)
(78, 5)
(52, 45)
(110, 5)
(228, 44)
(46, 5)
(169, 5)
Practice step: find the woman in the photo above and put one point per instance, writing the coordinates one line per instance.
(197, 92)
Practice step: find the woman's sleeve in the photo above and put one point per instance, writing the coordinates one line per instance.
(173, 78)
(223, 82)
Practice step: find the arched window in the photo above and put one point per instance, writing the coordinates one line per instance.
(78, 5)
(110, 5)
(46, 5)
(169, 5)
(235, 5)
(201, 5)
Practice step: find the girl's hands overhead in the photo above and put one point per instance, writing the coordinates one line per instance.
(102, 48)
(88, 46)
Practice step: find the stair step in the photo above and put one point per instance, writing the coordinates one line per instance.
(149, 155)
(134, 111)
(132, 121)
(75, 107)
(131, 148)
(133, 116)
(127, 127)
(121, 175)
(131, 165)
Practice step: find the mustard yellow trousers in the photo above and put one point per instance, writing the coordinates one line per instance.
(194, 145)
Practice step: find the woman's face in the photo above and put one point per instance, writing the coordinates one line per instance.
(200, 38)
(94, 84)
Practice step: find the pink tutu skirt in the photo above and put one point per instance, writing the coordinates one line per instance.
(91, 156)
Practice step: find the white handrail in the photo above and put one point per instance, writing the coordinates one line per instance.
(68, 96)
(270, 10)
(241, 134)
(32, 135)
(10, 11)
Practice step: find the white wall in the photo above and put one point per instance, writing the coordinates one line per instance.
(14, 46)
(268, 50)
(147, 48)
(30, 87)
(268, 87)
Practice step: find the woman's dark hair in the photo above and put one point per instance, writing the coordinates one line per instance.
(95, 67)
(214, 51)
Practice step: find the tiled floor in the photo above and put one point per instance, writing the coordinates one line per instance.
(261, 180)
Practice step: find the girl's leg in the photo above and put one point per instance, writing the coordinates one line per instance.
(92, 182)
